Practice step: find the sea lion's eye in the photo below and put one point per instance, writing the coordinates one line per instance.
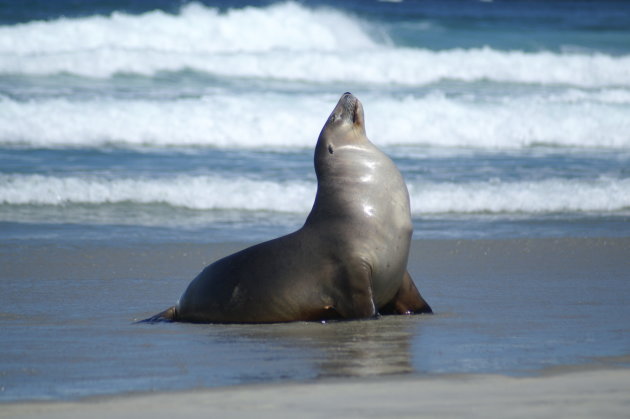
(330, 148)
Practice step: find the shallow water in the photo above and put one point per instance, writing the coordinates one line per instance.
(505, 306)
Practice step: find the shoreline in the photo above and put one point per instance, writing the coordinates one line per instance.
(573, 391)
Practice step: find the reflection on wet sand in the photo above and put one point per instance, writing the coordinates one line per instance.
(338, 349)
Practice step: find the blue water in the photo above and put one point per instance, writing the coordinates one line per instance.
(189, 121)
(135, 128)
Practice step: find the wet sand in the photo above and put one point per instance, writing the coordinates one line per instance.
(583, 394)
(506, 312)
(428, 258)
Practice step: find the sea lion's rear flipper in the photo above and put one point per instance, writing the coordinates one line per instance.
(407, 300)
(168, 315)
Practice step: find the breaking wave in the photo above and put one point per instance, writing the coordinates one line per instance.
(574, 119)
(285, 41)
(215, 193)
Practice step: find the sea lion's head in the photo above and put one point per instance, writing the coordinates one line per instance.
(344, 126)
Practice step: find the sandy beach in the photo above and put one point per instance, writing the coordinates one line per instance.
(577, 394)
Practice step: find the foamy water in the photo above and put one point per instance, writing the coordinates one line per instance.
(575, 118)
(317, 45)
(215, 193)
(195, 28)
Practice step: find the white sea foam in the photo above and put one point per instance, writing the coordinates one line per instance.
(195, 29)
(598, 119)
(227, 121)
(508, 122)
(378, 65)
(214, 193)
(609, 96)
(286, 41)
(545, 196)
(200, 192)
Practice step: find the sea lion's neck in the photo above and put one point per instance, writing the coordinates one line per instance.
(346, 178)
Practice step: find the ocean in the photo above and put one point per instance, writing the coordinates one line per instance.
(197, 122)
(138, 126)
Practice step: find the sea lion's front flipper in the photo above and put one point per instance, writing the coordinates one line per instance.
(355, 299)
(407, 300)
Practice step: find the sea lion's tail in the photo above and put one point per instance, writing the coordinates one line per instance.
(168, 315)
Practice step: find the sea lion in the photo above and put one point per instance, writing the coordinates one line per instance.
(348, 261)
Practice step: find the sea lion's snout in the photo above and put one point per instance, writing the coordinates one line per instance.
(348, 110)
(349, 103)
